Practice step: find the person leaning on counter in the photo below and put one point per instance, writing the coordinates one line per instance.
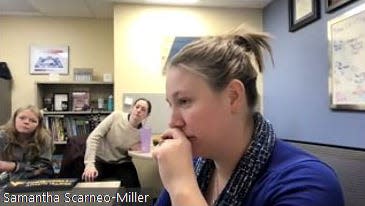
(106, 155)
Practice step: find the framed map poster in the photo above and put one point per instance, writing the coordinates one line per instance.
(48, 59)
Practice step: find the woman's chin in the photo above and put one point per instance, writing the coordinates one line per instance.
(196, 150)
(137, 119)
(25, 132)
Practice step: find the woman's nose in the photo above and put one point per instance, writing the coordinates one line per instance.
(176, 121)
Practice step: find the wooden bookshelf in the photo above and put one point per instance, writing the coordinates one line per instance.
(65, 124)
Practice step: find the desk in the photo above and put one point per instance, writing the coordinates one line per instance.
(84, 193)
(147, 170)
(100, 184)
(140, 154)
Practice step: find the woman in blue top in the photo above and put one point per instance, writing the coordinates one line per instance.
(211, 89)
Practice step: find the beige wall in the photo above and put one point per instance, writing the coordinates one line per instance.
(140, 33)
(139, 37)
(90, 44)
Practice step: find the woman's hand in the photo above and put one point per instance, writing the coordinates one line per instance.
(175, 163)
(90, 174)
(6, 166)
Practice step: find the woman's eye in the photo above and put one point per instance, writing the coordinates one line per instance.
(183, 101)
(33, 121)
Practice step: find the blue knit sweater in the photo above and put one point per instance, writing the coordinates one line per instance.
(293, 178)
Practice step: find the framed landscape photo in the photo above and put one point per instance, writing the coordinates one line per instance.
(333, 5)
(302, 13)
(49, 59)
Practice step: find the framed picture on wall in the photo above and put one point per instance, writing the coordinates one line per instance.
(48, 59)
(333, 5)
(346, 44)
(302, 13)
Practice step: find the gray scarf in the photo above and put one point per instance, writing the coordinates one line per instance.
(249, 167)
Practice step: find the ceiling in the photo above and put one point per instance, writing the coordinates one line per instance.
(102, 8)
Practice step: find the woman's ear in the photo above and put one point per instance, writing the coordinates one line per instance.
(236, 95)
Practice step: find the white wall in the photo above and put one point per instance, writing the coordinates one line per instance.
(140, 34)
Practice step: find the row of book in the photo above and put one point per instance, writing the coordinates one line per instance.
(61, 127)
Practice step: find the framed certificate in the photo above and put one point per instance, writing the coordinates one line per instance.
(333, 5)
(302, 13)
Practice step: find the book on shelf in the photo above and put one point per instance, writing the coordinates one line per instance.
(61, 127)
(55, 126)
(80, 101)
(67, 126)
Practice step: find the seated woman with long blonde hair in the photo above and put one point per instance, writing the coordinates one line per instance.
(26, 146)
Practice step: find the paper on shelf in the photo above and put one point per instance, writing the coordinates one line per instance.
(128, 101)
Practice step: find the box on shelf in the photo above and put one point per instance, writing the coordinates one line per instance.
(107, 77)
(83, 74)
